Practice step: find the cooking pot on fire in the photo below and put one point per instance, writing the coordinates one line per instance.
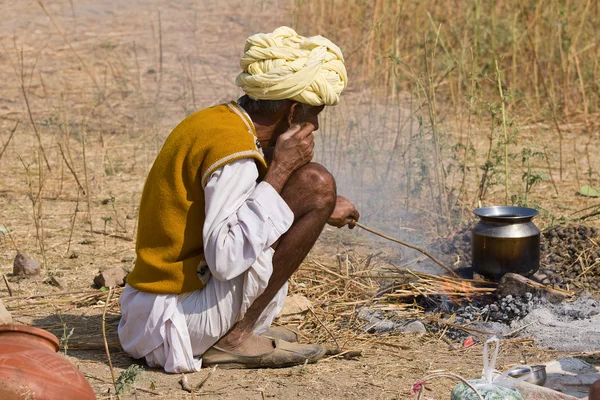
(505, 240)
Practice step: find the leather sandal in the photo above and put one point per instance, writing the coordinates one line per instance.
(289, 334)
(284, 354)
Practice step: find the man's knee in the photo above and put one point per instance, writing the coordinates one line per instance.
(595, 391)
(319, 184)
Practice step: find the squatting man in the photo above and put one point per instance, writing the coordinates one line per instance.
(231, 207)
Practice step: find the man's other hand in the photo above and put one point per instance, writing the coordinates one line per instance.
(344, 214)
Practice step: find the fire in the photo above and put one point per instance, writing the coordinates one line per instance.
(459, 290)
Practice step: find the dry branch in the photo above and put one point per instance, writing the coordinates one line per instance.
(412, 246)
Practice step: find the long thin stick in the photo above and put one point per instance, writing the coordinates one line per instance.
(35, 130)
(505, 130)
(412, 246)
(324, 326)
(7, 285)
(448, 375)
(12, 133)
(112, 371)
(60, 32)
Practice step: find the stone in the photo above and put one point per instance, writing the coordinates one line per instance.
(517, 285)
(54, 281)
(534, 392)
(294, 308)
(380, 326)
(5, 317)
(110, 278)
(25, 266)
(414, 327)
(572, 376)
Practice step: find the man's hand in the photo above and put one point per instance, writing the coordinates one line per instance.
(293, 149)
(344, 214)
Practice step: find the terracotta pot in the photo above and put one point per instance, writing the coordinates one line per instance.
(30, 368)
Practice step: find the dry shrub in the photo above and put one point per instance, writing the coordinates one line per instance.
(548, 50)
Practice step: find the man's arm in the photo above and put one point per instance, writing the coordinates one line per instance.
(242, 219)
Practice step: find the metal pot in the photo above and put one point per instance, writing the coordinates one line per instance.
(537, 374)
(505, 240)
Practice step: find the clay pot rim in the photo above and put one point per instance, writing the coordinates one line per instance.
(31, 330)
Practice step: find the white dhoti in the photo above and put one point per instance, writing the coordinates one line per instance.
(173, 331)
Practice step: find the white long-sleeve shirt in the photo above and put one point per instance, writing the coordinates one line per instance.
(243, 219)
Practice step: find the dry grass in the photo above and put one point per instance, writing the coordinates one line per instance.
(456, 104)
(547, 50)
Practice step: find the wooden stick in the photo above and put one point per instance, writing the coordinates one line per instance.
(7, 286)
(12, 133)
(459, 327)
(324, 326)
(136, 388)
(94, 292)
(112, 371)
(201, 384)
(412, 246)
(509, 334)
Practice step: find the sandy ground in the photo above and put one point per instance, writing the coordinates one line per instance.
(105, 82)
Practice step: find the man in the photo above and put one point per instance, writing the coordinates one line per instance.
(221, 229)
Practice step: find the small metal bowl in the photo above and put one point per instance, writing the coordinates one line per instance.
(538, 374)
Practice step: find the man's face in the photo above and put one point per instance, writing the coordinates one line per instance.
(298, 114)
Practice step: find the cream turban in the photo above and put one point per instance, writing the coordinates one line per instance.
(284, 65)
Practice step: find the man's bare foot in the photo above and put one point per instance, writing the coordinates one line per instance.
(246, 344)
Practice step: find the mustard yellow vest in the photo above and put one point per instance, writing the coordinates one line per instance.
(170, 252)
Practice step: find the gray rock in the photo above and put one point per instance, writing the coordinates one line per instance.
(25, 266)
(54, 281)
(381, 326)
(5, 317)
(414, 327)
(517, 285)
(110, 278)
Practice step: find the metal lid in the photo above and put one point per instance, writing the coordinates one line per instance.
(505, 213)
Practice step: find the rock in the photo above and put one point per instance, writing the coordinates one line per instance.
(517, 285)
(5, 317)
(414, 327)
(380, 326)
(571, 376)
(25, 266)
(534, 392)
(54, 281)
(294, 308)
(110, 278)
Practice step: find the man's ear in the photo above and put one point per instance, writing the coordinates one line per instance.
(292, 112)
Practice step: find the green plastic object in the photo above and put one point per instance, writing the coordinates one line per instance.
(488, 391)
(492, 385)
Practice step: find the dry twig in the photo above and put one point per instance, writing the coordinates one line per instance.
(412, 246)
(112, 371)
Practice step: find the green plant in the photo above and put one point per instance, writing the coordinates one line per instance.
(530, 177)
(66, 335)
(127, 378)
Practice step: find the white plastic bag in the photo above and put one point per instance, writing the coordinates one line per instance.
(492, 385)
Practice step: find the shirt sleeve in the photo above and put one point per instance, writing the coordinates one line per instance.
(243, 219)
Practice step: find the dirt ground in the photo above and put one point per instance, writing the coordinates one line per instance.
(104, 82)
